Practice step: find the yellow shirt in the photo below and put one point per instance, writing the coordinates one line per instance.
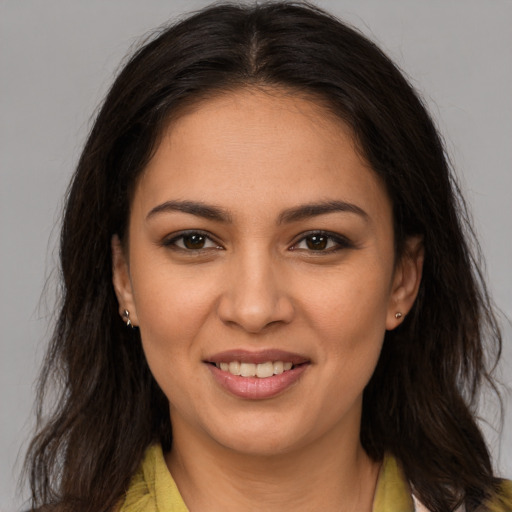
(153, 489)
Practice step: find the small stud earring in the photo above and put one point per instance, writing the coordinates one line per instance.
(126, 315)
(398, 315)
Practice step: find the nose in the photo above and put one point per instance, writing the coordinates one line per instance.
(255, 294)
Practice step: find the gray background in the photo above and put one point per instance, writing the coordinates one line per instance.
(57, 59)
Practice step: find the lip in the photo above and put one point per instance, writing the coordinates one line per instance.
(261, 356)
(255, 388)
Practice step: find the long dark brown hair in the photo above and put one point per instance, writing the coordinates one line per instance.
(420, 403)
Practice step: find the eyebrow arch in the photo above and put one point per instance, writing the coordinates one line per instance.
(314, 209)
(194, 208)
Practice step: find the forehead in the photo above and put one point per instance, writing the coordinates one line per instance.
(269, 147)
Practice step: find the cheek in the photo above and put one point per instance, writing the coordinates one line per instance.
(173, 305)
(351, 300)
(348, 313)
(170, 314)
(169, 300)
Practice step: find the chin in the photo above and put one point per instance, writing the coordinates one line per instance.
(260, 438)
(264, 446)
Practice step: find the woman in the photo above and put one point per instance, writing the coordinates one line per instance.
(268, 293)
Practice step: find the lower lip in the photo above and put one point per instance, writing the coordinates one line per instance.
(255, 388)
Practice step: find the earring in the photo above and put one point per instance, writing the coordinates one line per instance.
(398, 315)
(126, 315)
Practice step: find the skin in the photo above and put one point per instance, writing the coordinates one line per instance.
(257, 284)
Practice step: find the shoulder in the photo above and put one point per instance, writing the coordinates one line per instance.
(502, 501)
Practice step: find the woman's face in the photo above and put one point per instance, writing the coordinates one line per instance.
(259, 239)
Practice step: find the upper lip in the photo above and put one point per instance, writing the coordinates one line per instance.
(256, 357)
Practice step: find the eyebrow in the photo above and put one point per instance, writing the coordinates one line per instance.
(194, 208)
(294, 214)
(314, 209)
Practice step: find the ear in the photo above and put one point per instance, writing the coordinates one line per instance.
(122, 282)
(406, 282)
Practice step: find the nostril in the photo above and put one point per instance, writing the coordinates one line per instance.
(257, 316)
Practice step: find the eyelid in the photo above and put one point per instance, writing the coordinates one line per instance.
(341, 241)
(170, 240)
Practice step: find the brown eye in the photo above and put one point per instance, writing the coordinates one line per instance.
(317, 242)
(194, 241)
(322, 242)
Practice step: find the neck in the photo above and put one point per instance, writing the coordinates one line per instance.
(334, 474)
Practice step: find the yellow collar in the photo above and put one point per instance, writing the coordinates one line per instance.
(152, 488)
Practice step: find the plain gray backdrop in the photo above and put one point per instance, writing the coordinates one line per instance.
(57, 59)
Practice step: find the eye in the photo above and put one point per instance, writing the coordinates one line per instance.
(192, 241)
(320, 241)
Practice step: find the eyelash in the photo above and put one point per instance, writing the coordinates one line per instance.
(340, 242)
(172, 243)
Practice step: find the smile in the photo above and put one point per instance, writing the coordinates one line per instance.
(257, 375)
(261, 370)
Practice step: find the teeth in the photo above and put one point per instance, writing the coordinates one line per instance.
(278, 367)
(265, 370)
(261, 370)
(247, 369)
(234, 368)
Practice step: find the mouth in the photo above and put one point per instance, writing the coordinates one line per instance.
(256, 375)
(260, 370)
